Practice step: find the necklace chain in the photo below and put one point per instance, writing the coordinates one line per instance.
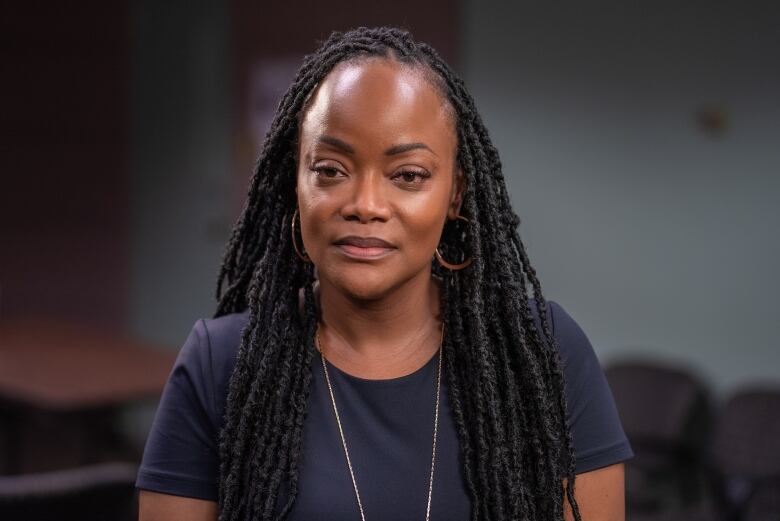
(344, 441)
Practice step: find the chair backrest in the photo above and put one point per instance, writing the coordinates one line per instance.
(95, 492)
(659, 406)
(665, 414)
(764, 503)
(746, 444)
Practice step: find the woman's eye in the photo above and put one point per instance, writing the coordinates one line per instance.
(326, 172)
(412, 177)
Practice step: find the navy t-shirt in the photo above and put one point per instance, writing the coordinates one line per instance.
(388, 426)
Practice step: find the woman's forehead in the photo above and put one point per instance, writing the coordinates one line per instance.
(376, 98)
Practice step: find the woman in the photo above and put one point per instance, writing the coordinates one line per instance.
(375, 353)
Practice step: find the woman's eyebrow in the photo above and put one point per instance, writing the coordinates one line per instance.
(336, 142)
(406, 147)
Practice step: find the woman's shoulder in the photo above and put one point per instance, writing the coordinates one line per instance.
(222, 336)
(597, 433)
(220, 340)
(207, 358)
(572, 342)
(181, 455)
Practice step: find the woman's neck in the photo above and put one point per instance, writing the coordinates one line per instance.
(383, 338)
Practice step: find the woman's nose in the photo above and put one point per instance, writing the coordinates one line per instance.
(368, 201)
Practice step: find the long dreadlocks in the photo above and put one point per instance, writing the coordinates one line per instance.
(505, 379)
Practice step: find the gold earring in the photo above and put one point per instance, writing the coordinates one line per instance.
(304, 258)
(448, 265)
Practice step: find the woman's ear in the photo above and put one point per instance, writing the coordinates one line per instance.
(458, 189)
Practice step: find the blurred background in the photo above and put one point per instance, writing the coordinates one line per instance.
(641, 147)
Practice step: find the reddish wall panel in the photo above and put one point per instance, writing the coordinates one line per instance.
(63, 160)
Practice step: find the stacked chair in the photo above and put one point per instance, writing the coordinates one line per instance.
(666, 415)
(694, 462)
(746, 455)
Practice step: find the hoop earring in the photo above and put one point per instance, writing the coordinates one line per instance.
(448, 265)
(304, 258)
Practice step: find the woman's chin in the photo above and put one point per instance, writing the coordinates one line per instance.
(365, 290)
(366, 284)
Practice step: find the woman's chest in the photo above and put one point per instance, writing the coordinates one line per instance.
(388, 429)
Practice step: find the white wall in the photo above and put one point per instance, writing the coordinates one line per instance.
(656, 237)
(181, 163)
(180, 173)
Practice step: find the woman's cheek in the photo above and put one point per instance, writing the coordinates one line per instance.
(313, 238)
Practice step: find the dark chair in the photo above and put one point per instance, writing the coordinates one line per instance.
(743, 462)
(764, 502)
(666, 414)
(746, 454)
(101, 492)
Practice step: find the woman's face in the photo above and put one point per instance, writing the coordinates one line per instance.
(377, 177)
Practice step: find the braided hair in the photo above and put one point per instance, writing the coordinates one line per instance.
(504, 373)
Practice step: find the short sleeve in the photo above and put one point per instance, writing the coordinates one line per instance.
(180, 456)
(597, 433)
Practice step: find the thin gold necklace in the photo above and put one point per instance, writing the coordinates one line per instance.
(344, 441)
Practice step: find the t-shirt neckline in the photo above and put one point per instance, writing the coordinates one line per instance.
(415, 375)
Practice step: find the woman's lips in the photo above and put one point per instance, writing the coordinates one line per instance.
(364, 247)
(372, 252)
